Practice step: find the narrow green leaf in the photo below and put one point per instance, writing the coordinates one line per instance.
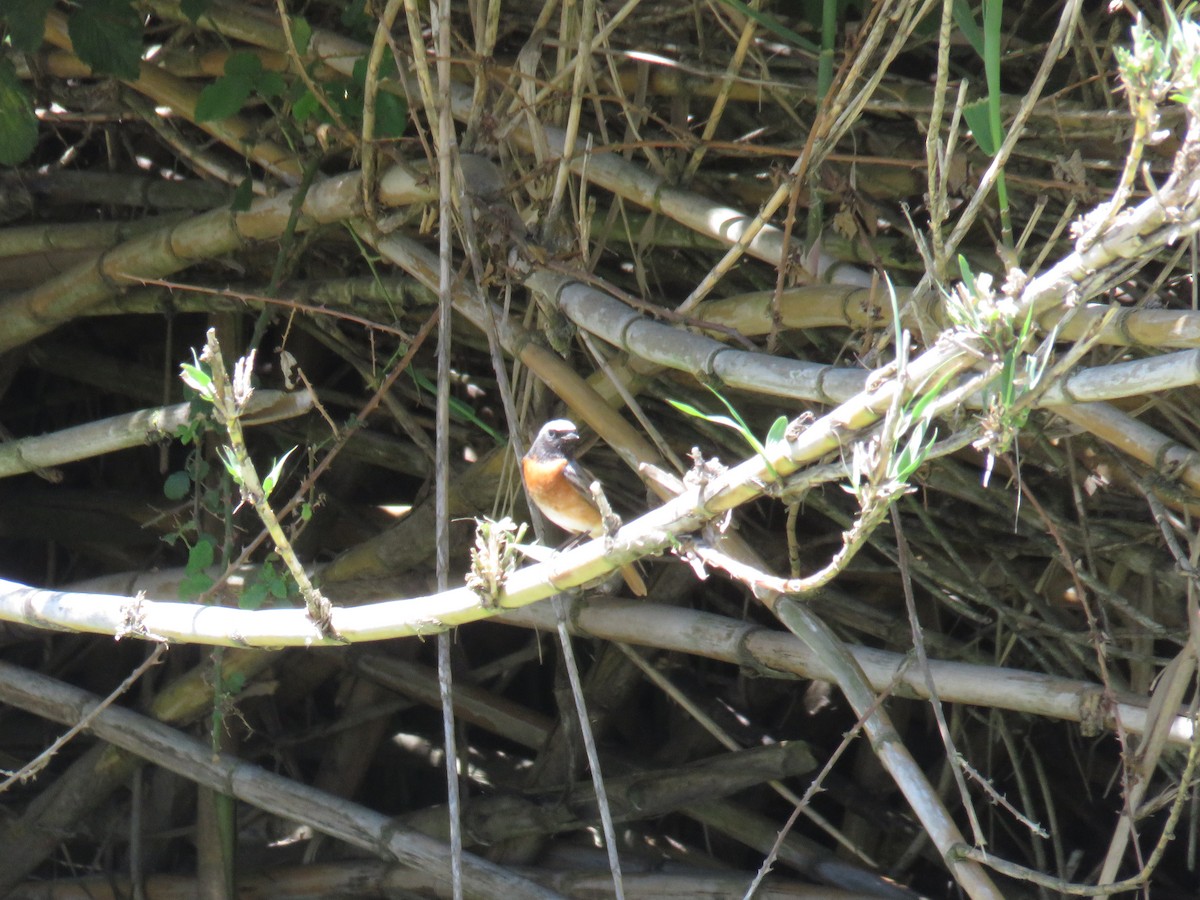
(695, 413)
(729, 407)
(197, 379)
(992, 24)
(772, 25)
(978, 117)
(107, 35)
(777, 433)
(964, 18)
(687, 409)
(231, 464)
(918, 410)
(273, 476)
(968, 276)
(18, 124)
(718, 419)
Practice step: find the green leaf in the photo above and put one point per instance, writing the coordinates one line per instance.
(245, 65)
(279, 588)
(968, 276)
(741, 423)
(738, 425)
(772, 25)
(358, 75)
(107, 35)
(305, 107)
(177, 485)
(273, 476)
(354, 17)
(197, 379)
(964, 18)
(26, 20)
(979, 120)
(778, 432)
(271, 84)
(192, 586)
(688, 409)
(914, 452)
(194, 9)
(231, 464)
(301, 34)
(243, 195)
(391, 115)
(233, 683)
(201, 555)
(253, 596)
(197, 467)
(18, 124)
(223, 98)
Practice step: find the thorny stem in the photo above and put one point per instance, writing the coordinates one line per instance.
(228, 400)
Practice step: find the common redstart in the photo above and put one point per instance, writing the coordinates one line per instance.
(561, 488)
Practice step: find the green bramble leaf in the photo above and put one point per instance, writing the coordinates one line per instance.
(177, 485)
(228, 94)
(243, 195)
(301, 34)
(107, 35)
(271, 85)
(354, 17)
(244, 64)
(194, 9)
(201, 555)
(253, 596)
(192, 586)
(18, 124)
(26, 21)
(233, 683)
(391, 115)
(306, 106)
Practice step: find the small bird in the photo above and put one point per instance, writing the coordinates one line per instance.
(561, 488)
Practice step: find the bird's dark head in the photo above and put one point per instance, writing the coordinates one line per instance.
(556, 436)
